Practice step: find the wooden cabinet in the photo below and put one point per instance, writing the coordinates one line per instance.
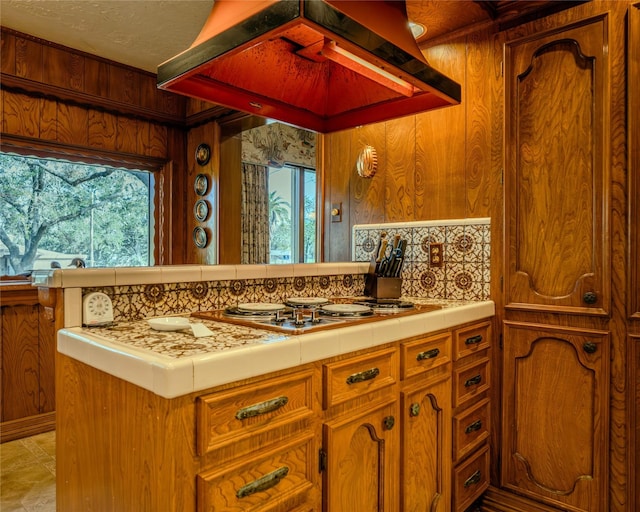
(364, 431)
(258, 445)
(360, 433)
(471, 412)
(556, 171)
(27, 363)
(425, 457)
(560, 311)
(555, 397)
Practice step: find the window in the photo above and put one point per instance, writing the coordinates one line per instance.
(58, 213)
(292, 214)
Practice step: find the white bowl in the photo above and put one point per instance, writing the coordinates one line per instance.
(169, 323)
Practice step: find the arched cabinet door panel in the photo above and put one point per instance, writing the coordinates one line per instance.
(555, 415)
(557, 170)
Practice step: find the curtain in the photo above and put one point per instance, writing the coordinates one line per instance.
(255, 213)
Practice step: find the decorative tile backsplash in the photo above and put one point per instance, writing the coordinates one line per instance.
(136, 302)
(466, 251)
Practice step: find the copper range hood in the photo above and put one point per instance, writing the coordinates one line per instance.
(323, 65)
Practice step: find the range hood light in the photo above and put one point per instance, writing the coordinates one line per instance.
(350, 61)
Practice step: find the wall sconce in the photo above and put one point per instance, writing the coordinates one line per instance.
(367, 163)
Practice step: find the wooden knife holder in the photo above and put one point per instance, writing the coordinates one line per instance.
(382, 287)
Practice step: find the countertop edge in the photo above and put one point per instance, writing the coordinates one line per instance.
(171, 378)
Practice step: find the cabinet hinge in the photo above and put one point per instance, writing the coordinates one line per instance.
(322, 460)
(500, 342)
(502, 176)
(501, 283)
(501, 68)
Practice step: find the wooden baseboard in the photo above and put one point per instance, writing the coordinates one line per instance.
(29, 426)
(498, 500)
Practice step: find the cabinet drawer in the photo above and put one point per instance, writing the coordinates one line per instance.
(357, 376)
(228, 416)
(420, 356)
(274, 481)
(471, 428)
(471, 340)
(470, 380)
(470, 480)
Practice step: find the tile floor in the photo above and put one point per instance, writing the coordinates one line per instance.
(28, 474)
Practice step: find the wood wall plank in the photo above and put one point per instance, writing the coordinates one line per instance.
(8, 53)
(126, 134)
(29, 62)
(366, 195)
(21, 115)
(102, 130)
(73, 123)
(63, 69)
(48, 119)
(96, 78)
(400, 157)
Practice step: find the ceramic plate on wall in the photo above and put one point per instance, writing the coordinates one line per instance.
(203, 154)
(200, 237)
(201, 210)
(201, 184)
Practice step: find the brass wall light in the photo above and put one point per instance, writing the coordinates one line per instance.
(367, 163)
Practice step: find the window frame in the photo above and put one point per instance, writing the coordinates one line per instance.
(161, 179)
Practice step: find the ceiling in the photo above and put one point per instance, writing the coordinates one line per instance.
(145, 33)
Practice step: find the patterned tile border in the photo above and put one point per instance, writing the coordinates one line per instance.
(466, 243)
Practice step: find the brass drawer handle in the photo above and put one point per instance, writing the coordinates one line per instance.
(263, 483)
(362, 376)
(473, 381)
(476, 425)
(429, 354)
(473, 479)
(473, 340)
(262, 408)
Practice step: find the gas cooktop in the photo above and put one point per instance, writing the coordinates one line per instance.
(303, 315)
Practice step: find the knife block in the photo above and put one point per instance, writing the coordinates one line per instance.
(382, 287)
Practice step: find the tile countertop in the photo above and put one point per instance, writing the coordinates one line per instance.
(172, 364)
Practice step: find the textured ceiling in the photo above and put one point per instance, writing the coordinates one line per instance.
(140, 33)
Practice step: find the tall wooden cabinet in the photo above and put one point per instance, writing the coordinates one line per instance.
(558, 297)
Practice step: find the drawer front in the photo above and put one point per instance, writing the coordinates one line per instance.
(470, 480)
(471, 340)
(275, 481)
(471, 428)
(420, 356)
(357, 376)
(470, 380)
(231, 415)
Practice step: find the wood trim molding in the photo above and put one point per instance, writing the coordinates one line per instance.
(29, 426)
(81, 99)
(18, 294)
(633, 130)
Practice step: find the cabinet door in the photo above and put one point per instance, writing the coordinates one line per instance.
(555, 415)
(425, 468)
(557, 170)
(361, 466)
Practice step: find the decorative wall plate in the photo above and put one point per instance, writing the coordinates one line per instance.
(203, 154)
(201, 210)
(200, 237)
(201, 184)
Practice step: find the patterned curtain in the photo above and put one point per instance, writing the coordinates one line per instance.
(255, 213)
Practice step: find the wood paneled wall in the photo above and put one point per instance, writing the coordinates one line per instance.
(434, 165)
(58, 101)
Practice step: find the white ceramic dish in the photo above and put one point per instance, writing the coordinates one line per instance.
(260, 306)
(307, 301)
(169, 323)
(346, 308)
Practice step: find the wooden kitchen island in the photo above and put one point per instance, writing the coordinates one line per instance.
(332, 420)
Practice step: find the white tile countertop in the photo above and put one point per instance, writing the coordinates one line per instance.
(172, 364)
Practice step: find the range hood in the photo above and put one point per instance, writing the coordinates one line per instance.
(322, 65)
